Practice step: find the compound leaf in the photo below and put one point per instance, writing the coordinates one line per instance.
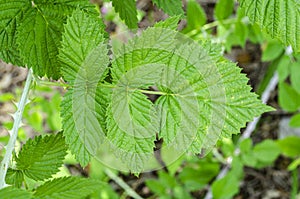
(41, 157)
(67, 187)
(171, 7)
(279, 18)
(203, 97)
(127, 11)
(84, 61)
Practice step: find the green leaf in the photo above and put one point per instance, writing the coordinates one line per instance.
(196, 16)
(201, 98)
(288, 97)
(127, 11)
(171, 23)
(135, 136)
(236, 35)
(11, 15)
(224, 9)
(266, 151)
(225, 187)
(166, 179)
(131, 117)
(41, 157)
(67, 187)
(30, 32)
(247, 155)
(171, 7)
(196, 177)
(246, 145)
(279, 18)
(295, 121)
(283, 67)
(156, 186)
(255, 34)
(11, 192)
(40, 34)
(295, 76)
(14, 177)
(272, 51)
(289, 146)
(84, 62)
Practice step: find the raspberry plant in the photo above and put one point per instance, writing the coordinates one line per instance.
(200, 96)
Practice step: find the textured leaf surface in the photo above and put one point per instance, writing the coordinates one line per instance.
(84, 60)
(41, 157)
(132, 119)
(203, 97)
(279, 18)
(14, 177)
(171, 23)
(171, 7)
(127, 11)
(10, 192)
(30, 32)
(11, 14)
(131, 128)
(67, 187)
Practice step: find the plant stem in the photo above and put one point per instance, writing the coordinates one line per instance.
(141, 90)
(294, 190)
(122, 184)
(14, 132)
(48, 83)
(211, 25)
(153, 92)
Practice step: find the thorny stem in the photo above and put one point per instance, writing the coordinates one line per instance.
(14, 132)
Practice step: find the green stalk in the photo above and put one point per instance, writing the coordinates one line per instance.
(122, 184)
(295, 184)
(14, 132)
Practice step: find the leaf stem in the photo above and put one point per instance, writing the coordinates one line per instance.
(152, 92)
(49, 83)
(14, 133)
(210, 26)
(141, 90)
(122, 184)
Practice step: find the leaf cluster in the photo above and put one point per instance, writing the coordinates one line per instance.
(31, 31)
(39, 159)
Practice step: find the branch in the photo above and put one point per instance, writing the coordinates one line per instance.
(17, 116)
